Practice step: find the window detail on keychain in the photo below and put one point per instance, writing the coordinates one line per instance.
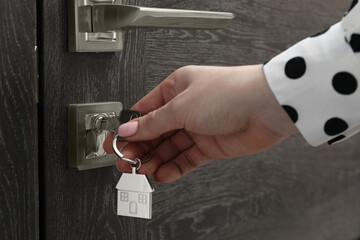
(142, 198)
(124, 197)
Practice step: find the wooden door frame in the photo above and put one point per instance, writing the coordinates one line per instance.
(18, 121)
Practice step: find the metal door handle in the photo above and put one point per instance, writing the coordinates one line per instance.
(96, 25)
(106, 17)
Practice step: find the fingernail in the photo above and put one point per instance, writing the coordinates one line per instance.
(128, 129)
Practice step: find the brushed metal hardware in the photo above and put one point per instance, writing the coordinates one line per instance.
(107, 17)
(88, 126)
(109, 41)
(97, 25)
(85, 149)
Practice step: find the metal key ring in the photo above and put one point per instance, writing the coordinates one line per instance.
(120, 155)
(137, 165)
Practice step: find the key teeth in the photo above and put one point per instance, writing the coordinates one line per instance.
(112, 123)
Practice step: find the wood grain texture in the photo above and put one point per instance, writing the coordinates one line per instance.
(82, 205)
(292, 191)
(18, 122)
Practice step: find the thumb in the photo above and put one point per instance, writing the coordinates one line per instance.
(152, 125)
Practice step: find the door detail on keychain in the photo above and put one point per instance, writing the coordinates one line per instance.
(134, 190)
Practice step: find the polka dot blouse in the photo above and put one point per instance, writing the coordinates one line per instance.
(316, 81)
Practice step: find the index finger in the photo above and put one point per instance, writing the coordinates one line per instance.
(161, 95)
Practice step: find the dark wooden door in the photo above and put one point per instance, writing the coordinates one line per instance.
(292, 191)
(18, 121)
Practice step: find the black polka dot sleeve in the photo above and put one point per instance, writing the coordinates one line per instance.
(317, 81)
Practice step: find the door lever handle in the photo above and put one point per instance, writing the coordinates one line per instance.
(107, 17)
(97, 25)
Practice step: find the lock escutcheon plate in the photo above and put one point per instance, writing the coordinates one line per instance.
(85, 142)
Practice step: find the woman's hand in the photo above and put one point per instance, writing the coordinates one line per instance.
(199, 114)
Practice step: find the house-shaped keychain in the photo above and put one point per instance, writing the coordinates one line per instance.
(134, 195)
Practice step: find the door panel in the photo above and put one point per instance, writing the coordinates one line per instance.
(82, 205)
(18, 121)
(292, 191)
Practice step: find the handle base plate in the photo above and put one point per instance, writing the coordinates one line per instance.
(91, 42)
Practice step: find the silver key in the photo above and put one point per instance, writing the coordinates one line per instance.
(112, 124)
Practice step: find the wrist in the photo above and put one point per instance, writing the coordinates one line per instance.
(265, 107)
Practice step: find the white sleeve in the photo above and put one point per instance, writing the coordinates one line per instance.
(316, 81)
